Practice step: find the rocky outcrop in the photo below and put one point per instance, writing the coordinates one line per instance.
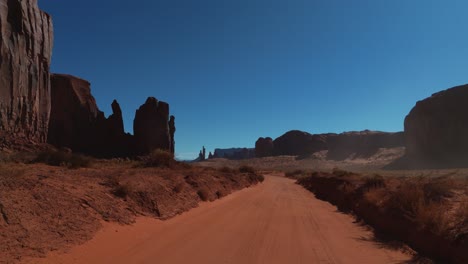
(74, 114)
(297, 142)
(234, 153)
(361, 144)
(151, 126)
(77, 123)
(264, 147)
(436, 130)
(25, 53)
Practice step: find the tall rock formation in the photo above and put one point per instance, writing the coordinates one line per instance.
(297, 142)
(436, 130)
(74, 114)
(77, 123)
(151, 126)
(264, 147)
(25, 53)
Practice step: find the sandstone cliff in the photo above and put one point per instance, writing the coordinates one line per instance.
(358, 144)
(264, 147)
(77, 123)
(436, 129)
(25, 54)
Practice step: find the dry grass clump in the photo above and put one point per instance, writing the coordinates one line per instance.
(204, 194)
(159, 158)
(424, 200)
(226, 169)
(11, 170)
(66, 159)
(340, 173)
(295, 174)
(246, 169)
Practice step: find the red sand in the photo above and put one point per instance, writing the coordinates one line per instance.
(275, 222)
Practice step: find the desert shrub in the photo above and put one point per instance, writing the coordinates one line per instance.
(374, 182)
(246, 169)
(420, 203)
(260, 177)
(203, 194)
(159, 158)
(340, 173)
(179, 187)
(438, 188)
(122, 190)
(220, 194)
(226, 169)
(295, 173)
(11, 171)
(59, 158)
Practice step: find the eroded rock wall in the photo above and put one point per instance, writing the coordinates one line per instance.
(25, 54)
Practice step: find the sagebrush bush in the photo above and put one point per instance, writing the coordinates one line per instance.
(204, 194)
(340, 173)
(246, 169)
(260, 177)
(59, 158)
(122, 190)
(226, 169)
(376, 181)
(159, 158)
(295, 173)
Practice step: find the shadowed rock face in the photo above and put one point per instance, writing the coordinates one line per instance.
(25, 53)
(297, 142)
(264, 147)
(151, 126)
(436, 129)
(361, 144)
(77, 123)
(74, 114)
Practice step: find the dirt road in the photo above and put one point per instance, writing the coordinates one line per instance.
(275, 222)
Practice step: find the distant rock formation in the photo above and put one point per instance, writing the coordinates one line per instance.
(202, 155)
(360, 144)
(25, 53)
(234, 153)
(436, 130)
(297, 142)
(264, 147)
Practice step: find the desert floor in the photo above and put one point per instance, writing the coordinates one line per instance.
(274, 222)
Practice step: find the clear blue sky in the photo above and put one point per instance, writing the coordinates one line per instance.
(234, 70)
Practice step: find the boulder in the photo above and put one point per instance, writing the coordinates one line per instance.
(264, 147)
(25, 53)
(436, 130)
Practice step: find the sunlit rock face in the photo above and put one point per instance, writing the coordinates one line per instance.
(25, 54)
(436, 129)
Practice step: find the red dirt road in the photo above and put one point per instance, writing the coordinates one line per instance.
(274, 222)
